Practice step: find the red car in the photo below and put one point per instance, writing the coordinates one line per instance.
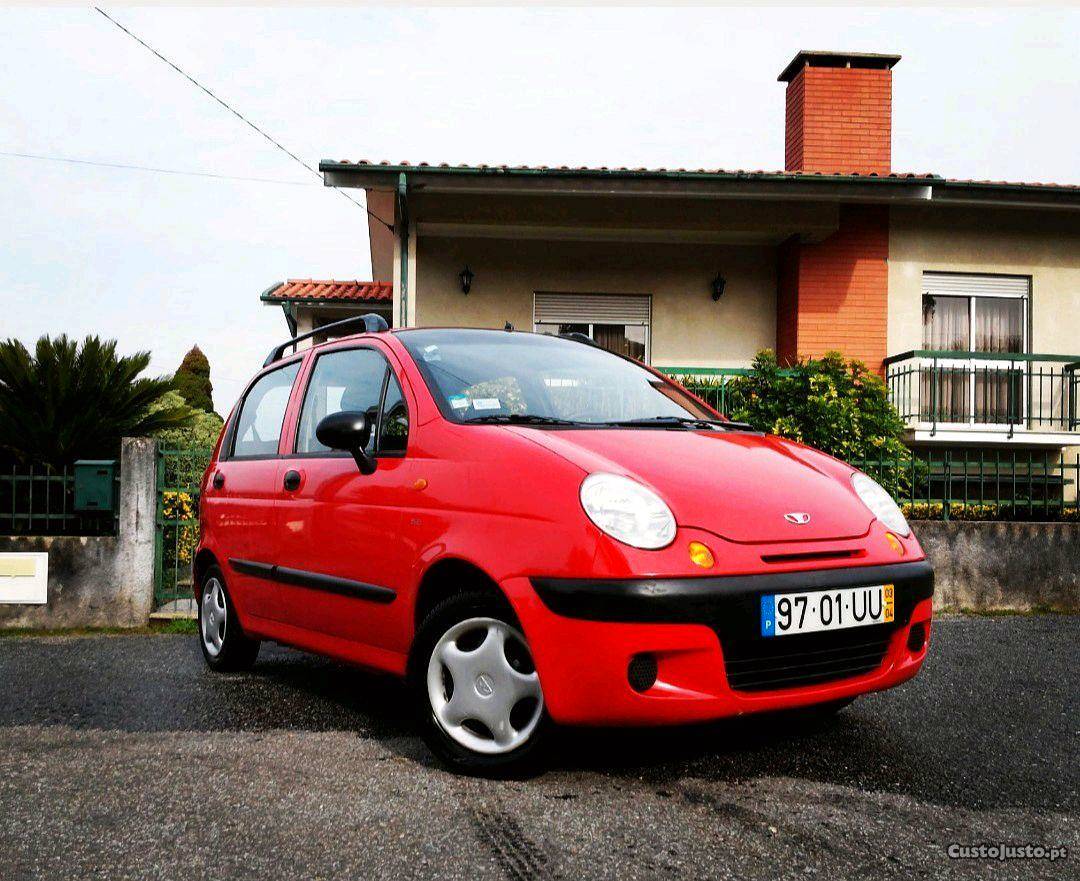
(534, 530)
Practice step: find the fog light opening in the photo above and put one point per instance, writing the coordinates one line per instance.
(916, 639)
(641, 672)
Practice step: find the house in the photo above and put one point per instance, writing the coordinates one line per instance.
(964, 294)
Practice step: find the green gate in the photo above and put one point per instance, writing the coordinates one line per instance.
(179, 475)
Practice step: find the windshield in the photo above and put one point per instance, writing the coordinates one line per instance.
(499, 376)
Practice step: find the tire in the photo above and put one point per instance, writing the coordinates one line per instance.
(225, 646)
(501, 722)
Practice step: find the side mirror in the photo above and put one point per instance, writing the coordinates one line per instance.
(348, 430)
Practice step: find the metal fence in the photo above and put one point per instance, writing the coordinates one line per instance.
(40, 500)
(980, 484)
(179, 476)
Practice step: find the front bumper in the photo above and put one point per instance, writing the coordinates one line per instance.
(703, 634)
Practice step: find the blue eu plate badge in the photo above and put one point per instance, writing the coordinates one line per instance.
(768, 615)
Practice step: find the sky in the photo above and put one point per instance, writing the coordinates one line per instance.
(161, 262)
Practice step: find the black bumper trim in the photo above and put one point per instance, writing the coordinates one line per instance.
(728, 604)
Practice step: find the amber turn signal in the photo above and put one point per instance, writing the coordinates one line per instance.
(895, 544)
(700, 555)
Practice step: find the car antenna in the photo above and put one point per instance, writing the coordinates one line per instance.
(508, 327)
(369, 323)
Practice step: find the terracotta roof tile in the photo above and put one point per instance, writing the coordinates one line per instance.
(331, 289)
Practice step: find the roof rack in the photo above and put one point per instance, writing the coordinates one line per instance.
(369, 323)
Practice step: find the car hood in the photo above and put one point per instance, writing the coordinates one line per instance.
(737, 485)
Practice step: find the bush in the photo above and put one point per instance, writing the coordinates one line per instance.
(989, 511)
(834, 405)
(192, 380)
(837, 406)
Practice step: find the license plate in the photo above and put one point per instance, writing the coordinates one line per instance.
(786, 613)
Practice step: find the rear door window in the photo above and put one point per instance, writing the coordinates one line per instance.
(258, 427)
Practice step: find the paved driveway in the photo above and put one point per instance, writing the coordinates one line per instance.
(121, 757)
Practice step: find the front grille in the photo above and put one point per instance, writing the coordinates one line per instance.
(769, 664)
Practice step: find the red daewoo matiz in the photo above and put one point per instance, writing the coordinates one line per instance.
(534, 530)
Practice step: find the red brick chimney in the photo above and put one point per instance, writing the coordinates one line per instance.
(839, 112)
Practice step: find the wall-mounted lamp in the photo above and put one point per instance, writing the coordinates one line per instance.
(718, 285)
(466, 276)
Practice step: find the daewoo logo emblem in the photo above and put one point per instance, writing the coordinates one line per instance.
(799, 518)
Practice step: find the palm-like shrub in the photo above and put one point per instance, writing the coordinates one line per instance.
(67, 401)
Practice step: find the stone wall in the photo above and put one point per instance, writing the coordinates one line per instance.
(986, 566)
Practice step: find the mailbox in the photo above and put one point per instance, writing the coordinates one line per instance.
(95, 485)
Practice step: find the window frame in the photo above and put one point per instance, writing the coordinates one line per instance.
(230, 441)
(969, 360)
(647, 325)
(376, 453)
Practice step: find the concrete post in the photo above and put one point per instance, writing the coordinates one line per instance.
(137, 526)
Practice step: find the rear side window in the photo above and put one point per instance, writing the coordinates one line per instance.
(258, 428)
(359, 380)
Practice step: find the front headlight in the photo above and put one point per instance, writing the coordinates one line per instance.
(627, 511)
(880, 503)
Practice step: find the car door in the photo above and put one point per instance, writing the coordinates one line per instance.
(243, 491)
(343, 557)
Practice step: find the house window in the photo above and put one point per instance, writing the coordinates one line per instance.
(974, 314)
(619, 323)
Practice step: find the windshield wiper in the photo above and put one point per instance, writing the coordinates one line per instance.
(681, 422)
(519, 419)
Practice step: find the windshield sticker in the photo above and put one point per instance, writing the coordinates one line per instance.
(459, 402)
(431, 353)
(487, 404)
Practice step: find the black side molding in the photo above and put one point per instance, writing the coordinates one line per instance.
(315, 581)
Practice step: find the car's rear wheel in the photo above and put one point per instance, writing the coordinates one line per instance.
(224, 644)
(477, 689)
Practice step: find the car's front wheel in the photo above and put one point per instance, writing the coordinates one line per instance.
(474, 680)
(224, 644)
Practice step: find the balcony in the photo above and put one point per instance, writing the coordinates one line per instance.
(984, 397)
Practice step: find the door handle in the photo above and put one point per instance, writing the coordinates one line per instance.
(219, 480)
(292, 480)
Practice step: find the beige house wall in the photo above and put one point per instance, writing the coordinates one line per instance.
(1044, 245)
(688, 328)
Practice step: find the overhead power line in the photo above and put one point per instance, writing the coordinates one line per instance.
(237, 114)
(126, 166)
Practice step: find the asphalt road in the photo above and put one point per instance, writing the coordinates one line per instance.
(121, 757)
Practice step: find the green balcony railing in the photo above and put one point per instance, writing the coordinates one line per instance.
(1014, 392)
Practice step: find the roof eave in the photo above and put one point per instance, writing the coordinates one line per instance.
(577, 181)
(1005, 195)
